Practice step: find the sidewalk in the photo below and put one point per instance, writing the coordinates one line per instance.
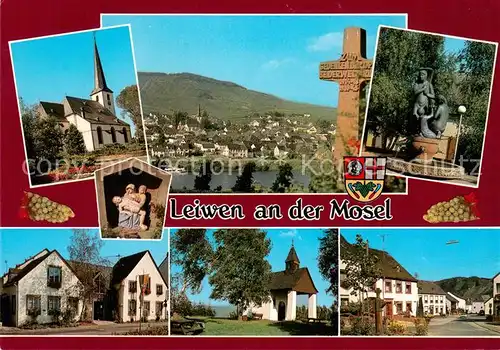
(489, 326)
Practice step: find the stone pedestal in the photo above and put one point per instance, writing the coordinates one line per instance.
(427, 148)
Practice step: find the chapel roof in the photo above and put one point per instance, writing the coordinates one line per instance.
(93, 111)
(300, 281)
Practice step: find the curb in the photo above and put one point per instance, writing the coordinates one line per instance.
(488, 328)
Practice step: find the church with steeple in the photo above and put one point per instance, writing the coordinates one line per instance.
(284, 288)
(95, 117)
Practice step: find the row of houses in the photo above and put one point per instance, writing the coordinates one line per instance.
(47, 285)
(402, 292)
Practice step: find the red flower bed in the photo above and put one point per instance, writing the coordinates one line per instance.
(70, 173)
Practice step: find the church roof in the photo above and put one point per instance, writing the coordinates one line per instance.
(299, 281)
(93, 111)
(292, 255)
(99, 78)
(54, 109)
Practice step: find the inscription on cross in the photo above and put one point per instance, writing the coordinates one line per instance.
(351, 71)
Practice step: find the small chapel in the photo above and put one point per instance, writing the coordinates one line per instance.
(95, 118)
(285, 286)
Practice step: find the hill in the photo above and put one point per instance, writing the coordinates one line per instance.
(164, 93)
(467, 287)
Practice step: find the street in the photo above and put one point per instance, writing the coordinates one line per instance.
(470, 325)
(99, 328)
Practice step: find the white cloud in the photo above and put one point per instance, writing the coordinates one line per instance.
(291, 233)
(326, 42)
(274, 64)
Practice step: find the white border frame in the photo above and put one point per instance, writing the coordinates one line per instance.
(19, 107)
(397, 14)
(361, 149)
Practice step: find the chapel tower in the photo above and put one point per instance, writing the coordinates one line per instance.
(101, 93)
(292, 261)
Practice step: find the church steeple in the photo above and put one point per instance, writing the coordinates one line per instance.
(292, 261)
(101, 93)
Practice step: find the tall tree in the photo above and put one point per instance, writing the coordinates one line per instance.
(328, 259)
(240, 272)
(73, 141)
(283, 179)
(244, 182)
(86, 260)
(48, 139)
(29, 121)
(128, 101)
(361, 269)
(204, 177)
(179, 118)
(192, 252)
(476, 67)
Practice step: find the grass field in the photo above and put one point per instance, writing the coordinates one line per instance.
(220, 326)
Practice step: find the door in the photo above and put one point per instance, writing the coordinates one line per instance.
(6, 311)
(281, 311)
(388, 308)
(98, 310)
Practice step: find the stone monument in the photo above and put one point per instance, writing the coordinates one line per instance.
(351, 71)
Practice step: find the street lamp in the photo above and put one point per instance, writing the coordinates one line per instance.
(462, 111)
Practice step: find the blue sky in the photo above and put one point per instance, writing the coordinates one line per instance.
(16, 245)
(279, 55)
(306, 242)
(48, 69)
(426, 252)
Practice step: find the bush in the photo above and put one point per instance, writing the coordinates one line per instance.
(148, 331)
(68, 316)
(233, 315)
(362, 326)
(55, 314)
(421, 326)
(396, 328)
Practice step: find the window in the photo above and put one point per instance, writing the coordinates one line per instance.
(97, 98)
(132, 307)
(159, 289)
(425, 300)
(408, 288)
(399, 287)
(145, 311)
(125, 135)
(343, 302)
(159, 308)
(399, 307)
(33, 305)
(53, 303)
(113, 135)
(431, 298)
(436, 310)
(441, 310)
(109, 100)
(441, 297)
(408, 306)
(388, 286)
(132, 286)
(498, 288)
(99, 135)
(54, 276)
(13, 305)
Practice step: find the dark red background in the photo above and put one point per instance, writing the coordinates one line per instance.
(22, 19)
(29, 18)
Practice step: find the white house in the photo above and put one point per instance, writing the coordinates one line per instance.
(398, 287)
(496, 297)
(285, 286)
(95, 118)
(40, 288)
(488, 306)
(433, 298)
(141, 288)
(477, 305)
(456, 303)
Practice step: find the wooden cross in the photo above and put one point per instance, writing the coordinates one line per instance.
(351, 71)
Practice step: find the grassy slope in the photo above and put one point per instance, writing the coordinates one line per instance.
(164, 93)
(467, 287)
